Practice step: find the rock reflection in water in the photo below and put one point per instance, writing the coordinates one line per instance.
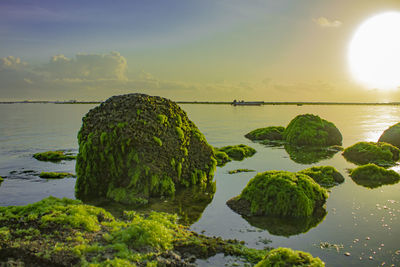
(310, 155)
(287, 226)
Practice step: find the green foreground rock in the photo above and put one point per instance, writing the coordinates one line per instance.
(372, 176)
(65, 232)
(325, 176)
(133, 147)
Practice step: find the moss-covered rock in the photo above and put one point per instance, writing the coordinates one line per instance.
(65, 232)
(54, 156)
(1, 180)
(279, 193)
(382, 154)
(55, 175)
(289, 257)
(287, 226)
(311, 130)
(133, 147)
(372, 176)
(271, 133)
(238, 152)
(310, 155)
(325, 176)
(221, 157)
(240, 170)
(391, 135)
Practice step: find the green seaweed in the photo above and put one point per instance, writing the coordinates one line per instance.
(311, 130)
(325, 176)
(289, 257)
(382, 154)
(55, 175)
(279, 193)
(221, 157)
(54, 156)
(391, 135)
(310, 155)
(271, 133)
(373, 176)
(238, 152)
(240, 170)
(65, 232)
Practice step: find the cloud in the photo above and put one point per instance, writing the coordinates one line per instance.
(87, 67)
(11, 62)
(326, 23)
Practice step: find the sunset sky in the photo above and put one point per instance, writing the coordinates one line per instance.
(184, 50)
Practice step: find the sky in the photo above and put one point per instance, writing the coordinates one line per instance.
(267, 50)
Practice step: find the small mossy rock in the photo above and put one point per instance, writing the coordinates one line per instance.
(372, 176)
(381, 153)
(311, 130)
(55, 175)
(221, 157)
(391, 135)
(54, 156)
(310, 155)
(289, 257)
(238, 152)
(133, 147)
(271, 133)
(279, 193)
(1, 179)
(325, 176)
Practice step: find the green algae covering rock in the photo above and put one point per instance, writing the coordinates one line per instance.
(391, 135)
(382, 154)
(372, 176)
(325, 176)
(271, 133)
(221, 157)
(65, 232)
(289, 257)
(311, 130)
(279, 193)
(55, 175)
(238, 152)
(54, 156)
(136, 146)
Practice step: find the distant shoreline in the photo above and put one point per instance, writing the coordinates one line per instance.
(220, 103)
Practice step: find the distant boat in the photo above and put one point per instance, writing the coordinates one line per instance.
(251, 103)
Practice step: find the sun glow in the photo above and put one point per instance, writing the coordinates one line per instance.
(374, 52)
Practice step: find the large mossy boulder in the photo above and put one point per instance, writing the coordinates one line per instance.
(288, 257)
(380, 153)
(271, 133)
(311, 130)
(391, 135)
(133, 147)
(325, 176)
(372, 176)
(279, 193)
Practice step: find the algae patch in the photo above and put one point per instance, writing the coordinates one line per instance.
(240, 170)
(289, 257)
(54, 156)
(56, 175)
(325, 176)
(66, 232)
(238, 152)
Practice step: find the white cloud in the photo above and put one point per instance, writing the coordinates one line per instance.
(326, 23)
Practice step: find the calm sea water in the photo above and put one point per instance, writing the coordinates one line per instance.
(361, 221)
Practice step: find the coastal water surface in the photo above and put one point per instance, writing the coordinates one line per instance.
(360, 221)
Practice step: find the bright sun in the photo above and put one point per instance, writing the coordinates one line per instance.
(374, 52)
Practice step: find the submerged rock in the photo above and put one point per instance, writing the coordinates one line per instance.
(271, 133)
(289, 257)
(391, 135)
(55, 175)
(238, 152)
(310, 155)
(373, 176)
(54, 156)
(382, 154)
(325, 176)
(240, 170)
(279, 193)
(65, 232)
(133, 147)
(311, 130)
